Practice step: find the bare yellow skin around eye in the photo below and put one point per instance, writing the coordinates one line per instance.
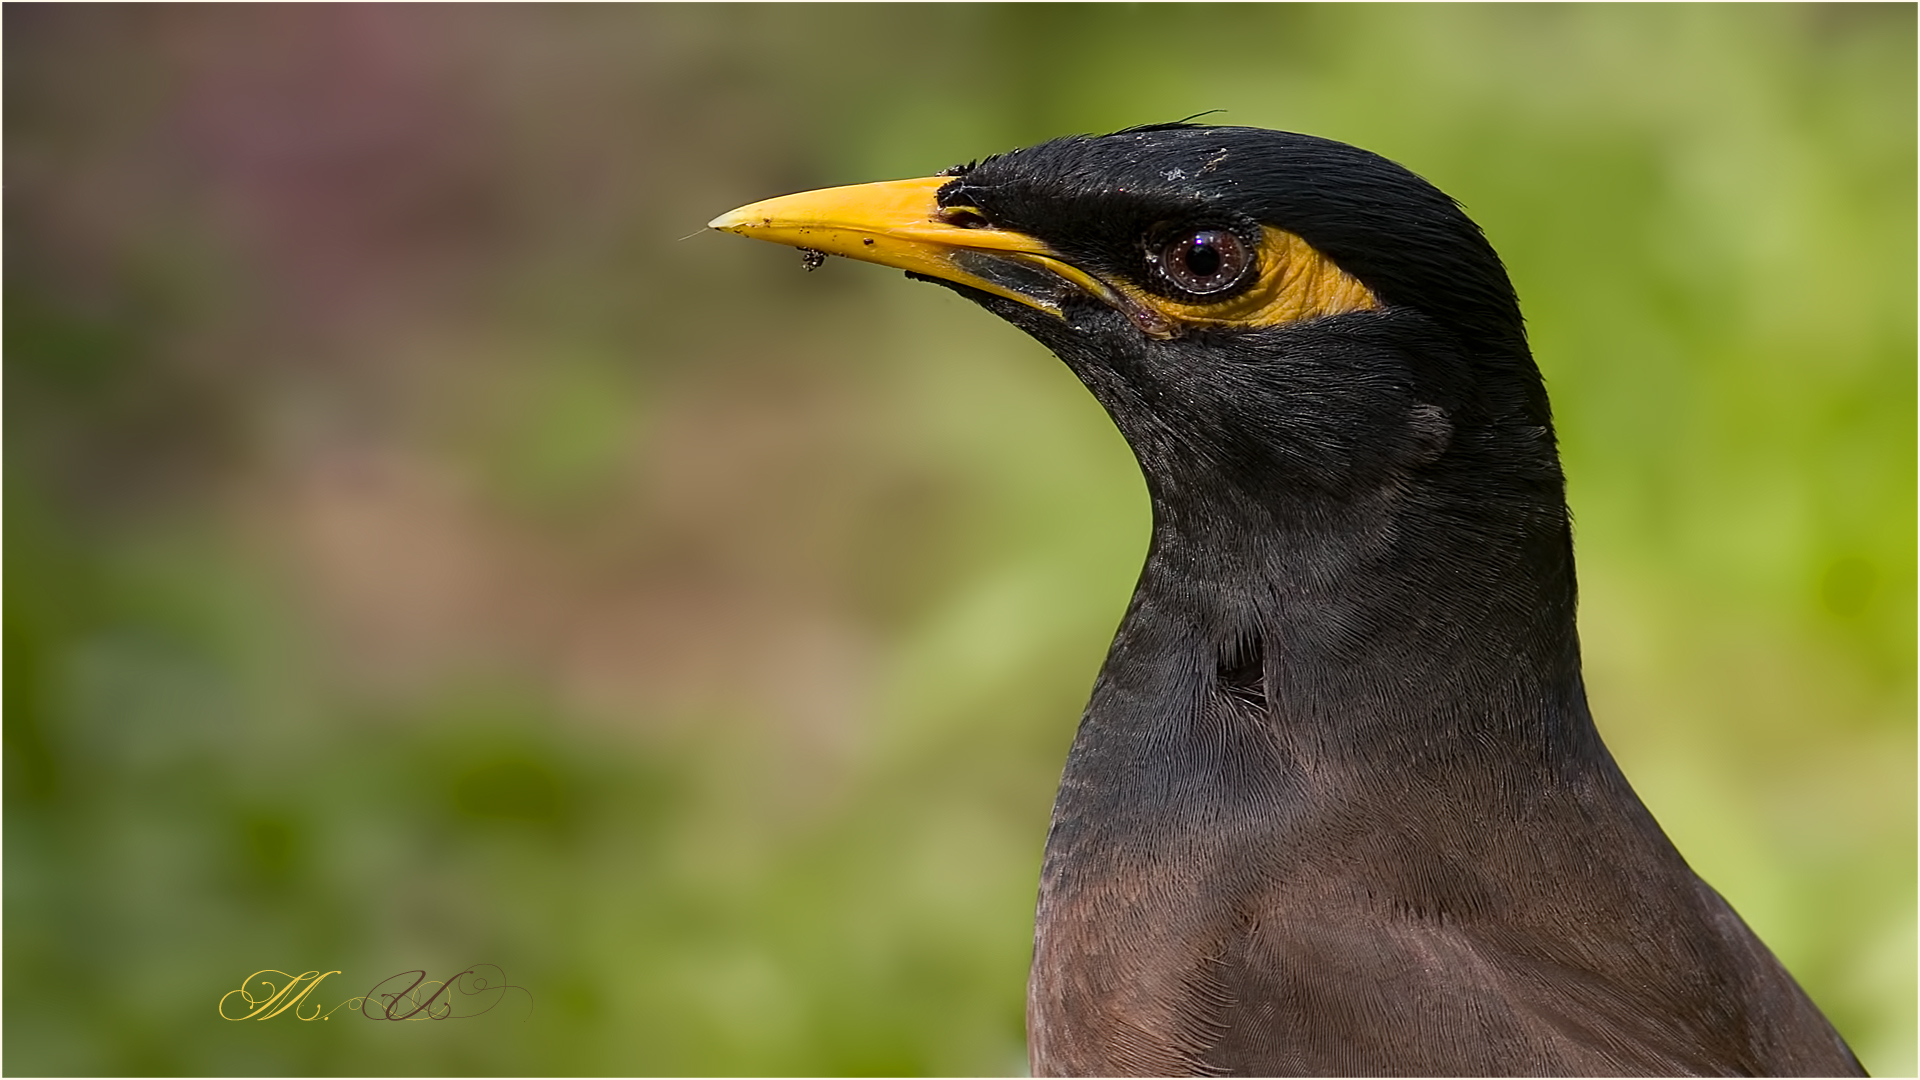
(1296, 283)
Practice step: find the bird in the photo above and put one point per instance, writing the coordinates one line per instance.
(1337, 804)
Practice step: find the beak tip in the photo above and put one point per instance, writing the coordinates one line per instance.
(740, 219)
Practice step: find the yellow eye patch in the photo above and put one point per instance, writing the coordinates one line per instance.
(1296, 283)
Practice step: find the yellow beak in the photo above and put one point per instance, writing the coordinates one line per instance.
(900, 223)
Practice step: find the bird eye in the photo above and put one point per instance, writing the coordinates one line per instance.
(1204, 261)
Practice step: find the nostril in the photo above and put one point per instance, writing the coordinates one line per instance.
(964, 217)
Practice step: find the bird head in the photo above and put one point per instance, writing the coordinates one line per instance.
(1320, 364)
(1289, 321)
(1298, 339)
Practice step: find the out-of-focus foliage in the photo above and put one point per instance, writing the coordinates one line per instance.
(421, 550)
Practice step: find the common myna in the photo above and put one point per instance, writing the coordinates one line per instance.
(1337, 805)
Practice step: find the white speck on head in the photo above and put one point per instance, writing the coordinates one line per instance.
(1175, 174)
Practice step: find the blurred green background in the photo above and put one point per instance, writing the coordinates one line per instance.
(425, 546)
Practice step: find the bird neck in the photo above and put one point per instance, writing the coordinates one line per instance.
(1359, 522)
(1417, 623)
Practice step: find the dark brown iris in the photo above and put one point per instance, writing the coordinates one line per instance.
(1204, 261)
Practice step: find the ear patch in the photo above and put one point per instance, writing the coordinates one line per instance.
(1432, 432)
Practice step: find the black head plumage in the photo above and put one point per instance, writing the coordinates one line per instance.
(1095, 196)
